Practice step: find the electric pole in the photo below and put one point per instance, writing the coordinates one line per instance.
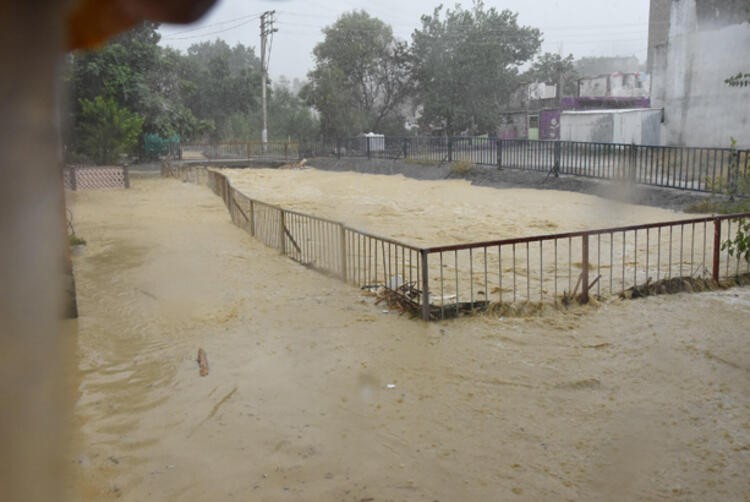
(266, 29)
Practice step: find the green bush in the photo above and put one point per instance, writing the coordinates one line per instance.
(107, 130)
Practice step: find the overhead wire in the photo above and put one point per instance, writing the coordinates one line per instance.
(238, 23)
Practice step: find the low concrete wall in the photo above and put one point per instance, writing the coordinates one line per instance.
(612, 126)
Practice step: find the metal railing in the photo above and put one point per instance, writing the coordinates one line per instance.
(686, 168)
(445, 281)
(578, 265)
(286, 150)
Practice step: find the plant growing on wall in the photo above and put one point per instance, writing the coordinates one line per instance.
(738, 186)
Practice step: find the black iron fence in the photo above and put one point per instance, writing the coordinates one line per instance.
(722, 170)
(700, 169)
(276, 150)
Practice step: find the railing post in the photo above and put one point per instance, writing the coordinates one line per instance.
(282, 231)
(450, 149)
(342, 238)
(632, 161)
(425, 286)
(499, 148)
(717, 250)
(252, 218)
(585, 266)
(556, 162)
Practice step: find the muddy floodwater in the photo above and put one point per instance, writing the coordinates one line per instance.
(316, 394)
(431, 213)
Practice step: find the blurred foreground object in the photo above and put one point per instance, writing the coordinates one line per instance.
(35, 358)
(91, 22)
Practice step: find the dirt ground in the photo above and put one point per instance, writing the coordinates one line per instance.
(314, 393)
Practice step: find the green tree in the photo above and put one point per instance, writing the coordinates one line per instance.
(108, 130)
(139, 76)
(289, 115)
(360, 80)
(551, 68)
(466, 64)
(221, 86)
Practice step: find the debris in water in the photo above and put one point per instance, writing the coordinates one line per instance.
(202, 362)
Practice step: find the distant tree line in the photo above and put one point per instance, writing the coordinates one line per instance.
(132, 88)
(453, 77)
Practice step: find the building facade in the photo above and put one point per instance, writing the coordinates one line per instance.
(694, 46)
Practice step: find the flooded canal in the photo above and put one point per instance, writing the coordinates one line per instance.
(315, 393)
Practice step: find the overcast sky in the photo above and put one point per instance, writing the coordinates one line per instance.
(580, 27)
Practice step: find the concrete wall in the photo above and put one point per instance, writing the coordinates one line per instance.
(612, 126)
(688, 72)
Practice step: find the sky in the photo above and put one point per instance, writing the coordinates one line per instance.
(579, 27)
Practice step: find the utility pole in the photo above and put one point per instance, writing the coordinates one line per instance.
(266, 29)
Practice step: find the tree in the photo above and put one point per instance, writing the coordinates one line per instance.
(360, 79)
(465, 65)
(221, 86)
(139, 76)
(108, 131)
(552, 69)
(289, 116)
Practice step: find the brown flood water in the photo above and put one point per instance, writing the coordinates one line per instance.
(314, 393)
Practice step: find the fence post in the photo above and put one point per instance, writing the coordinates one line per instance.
(226, 192)
(499, 148)
(585, 271)
(425, 286)
(252, 218)
(556, 162)
(406, 147)
(717, 250)
(282, 231)
(126, 175)
(450, 149)
(286, 151)
(342, 238)
(369, 152)
(632, 161)
(73, 180)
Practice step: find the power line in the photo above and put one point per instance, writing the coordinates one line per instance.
(204, 35)
(213, 25)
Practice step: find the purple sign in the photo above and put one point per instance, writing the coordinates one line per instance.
(549, 124)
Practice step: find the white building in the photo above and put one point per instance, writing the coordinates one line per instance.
(694, 46)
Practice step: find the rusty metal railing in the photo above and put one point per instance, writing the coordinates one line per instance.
(578, 265)
(523, 273)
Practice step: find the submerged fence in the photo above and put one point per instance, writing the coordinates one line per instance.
(445, 281)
